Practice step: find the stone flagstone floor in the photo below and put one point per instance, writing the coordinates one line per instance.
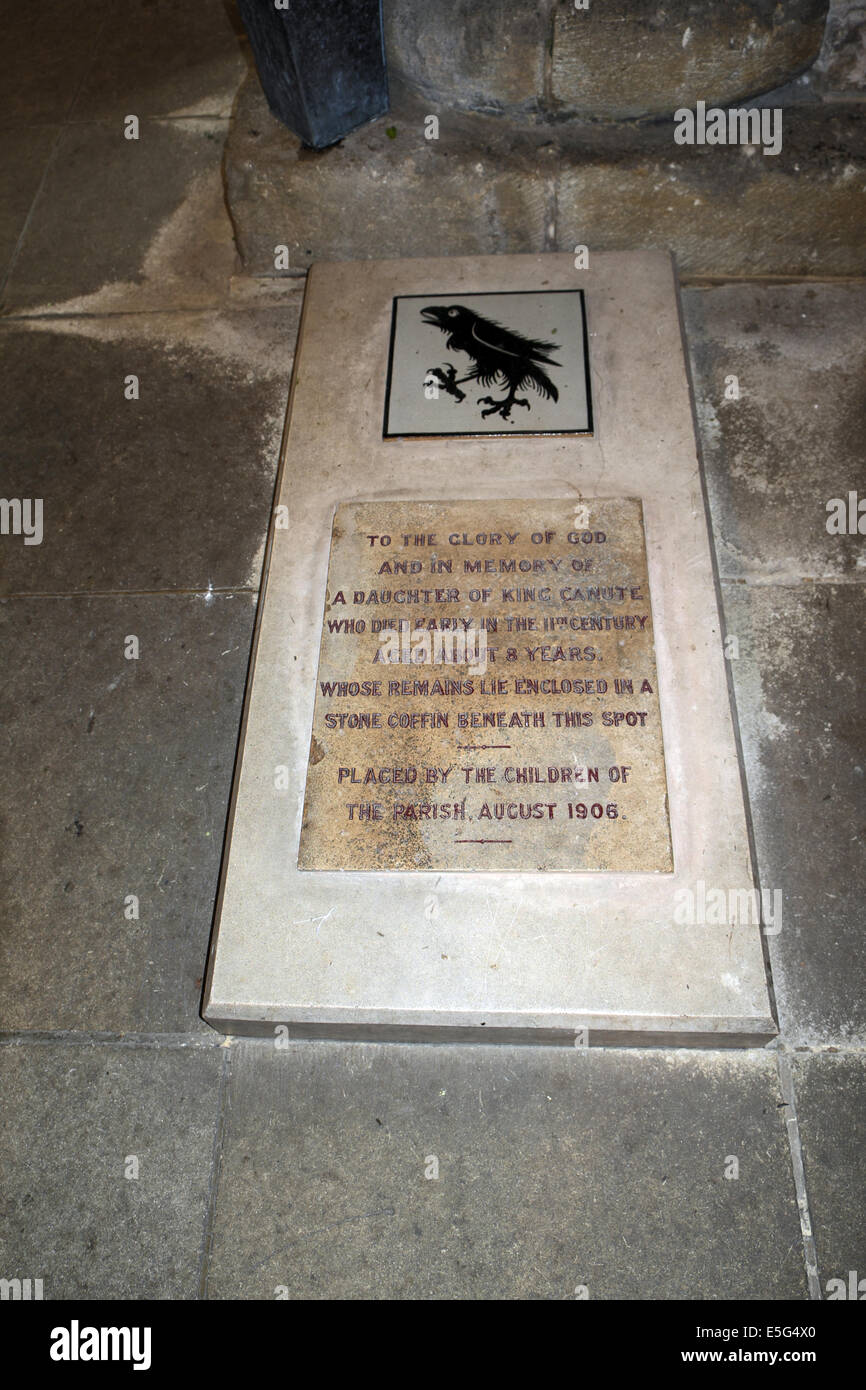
(142, 1155)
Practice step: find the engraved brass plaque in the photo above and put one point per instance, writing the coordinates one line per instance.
(487, 696)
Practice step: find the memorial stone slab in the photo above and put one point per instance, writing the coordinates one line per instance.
(488, 779)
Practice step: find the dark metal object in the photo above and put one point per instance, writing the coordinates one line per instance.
(321, 65)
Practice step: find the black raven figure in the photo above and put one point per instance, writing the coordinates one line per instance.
(502, 358)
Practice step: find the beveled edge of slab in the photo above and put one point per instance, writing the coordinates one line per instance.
(634, 1031)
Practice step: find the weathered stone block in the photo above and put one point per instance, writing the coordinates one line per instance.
(610, 62)
(841, 68)
(525, 58)
(724, 210)
(472, 190)
(487, 57)
(485, 186)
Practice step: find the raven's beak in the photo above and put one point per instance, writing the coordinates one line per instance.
(434, 314)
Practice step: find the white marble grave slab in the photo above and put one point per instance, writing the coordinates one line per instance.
(559, 956)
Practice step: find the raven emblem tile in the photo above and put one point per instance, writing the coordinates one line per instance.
(479, 364)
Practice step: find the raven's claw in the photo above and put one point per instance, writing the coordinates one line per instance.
(447, 380)
(502, 407)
